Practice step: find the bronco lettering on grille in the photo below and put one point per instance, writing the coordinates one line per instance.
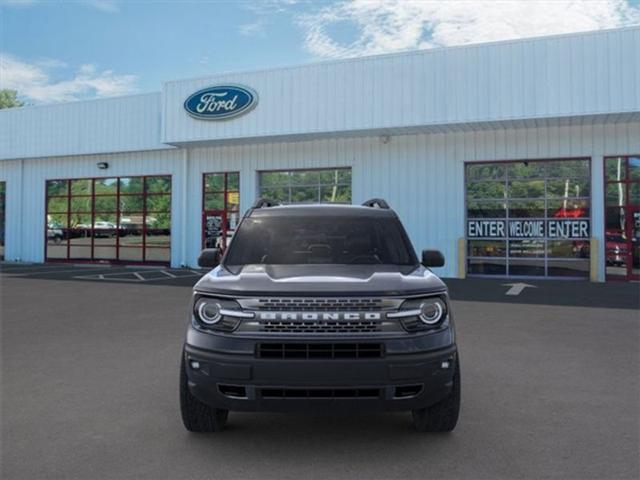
(319, 316)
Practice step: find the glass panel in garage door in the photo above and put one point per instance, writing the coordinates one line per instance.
(622, 217)
(528, 218)
(109, 219)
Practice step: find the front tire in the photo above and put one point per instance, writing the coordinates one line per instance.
(197, 416)
(443, 416)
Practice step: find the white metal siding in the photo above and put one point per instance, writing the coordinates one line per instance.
(420, 175)
(97, 126)
(26, 205)
(589, 77)
(11, 173)
(562, 76)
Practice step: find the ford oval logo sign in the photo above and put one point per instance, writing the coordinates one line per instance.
(221, 102)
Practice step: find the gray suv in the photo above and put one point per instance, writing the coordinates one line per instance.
(316, 308)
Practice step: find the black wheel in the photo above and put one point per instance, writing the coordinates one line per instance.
(443, 416)
(198, 416)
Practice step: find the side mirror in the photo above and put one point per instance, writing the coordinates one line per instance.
(209, 258)
(432, 258)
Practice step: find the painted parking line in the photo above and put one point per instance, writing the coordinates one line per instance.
(141, 276)
(26, 268)
(46, 271)
(516, 288)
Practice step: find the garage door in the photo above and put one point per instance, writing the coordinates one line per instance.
(119, 219)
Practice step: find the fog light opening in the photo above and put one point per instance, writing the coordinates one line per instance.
(195, 365)
(406, 391)
(233, 391)
(445, 365)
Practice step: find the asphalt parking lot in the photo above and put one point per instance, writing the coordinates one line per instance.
(550, 388)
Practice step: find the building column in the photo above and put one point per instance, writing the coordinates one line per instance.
(597, 214)
(184, 208)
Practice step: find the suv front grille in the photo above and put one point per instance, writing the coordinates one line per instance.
(271, 318)
(319, 304)
(326, 326)
(319, 350)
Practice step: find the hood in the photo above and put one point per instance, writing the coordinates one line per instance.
(340, 280)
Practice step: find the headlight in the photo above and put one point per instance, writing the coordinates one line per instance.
(212, 313)
(208, 311)
(421, 313)
(432, 310)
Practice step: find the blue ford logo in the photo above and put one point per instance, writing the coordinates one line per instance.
(221, 102)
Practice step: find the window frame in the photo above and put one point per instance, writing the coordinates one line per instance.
(3, 217)
(507, 200)
(319, 185)
(225, 204)
(628, 206)
(118, 213)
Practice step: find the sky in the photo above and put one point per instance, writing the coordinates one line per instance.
(57, 51)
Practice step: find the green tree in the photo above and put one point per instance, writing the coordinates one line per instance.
(9, 99)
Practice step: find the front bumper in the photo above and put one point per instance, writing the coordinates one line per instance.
(415, 372)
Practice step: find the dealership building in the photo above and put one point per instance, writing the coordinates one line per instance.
(515, 159)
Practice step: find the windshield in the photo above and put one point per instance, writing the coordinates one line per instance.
(298, 240)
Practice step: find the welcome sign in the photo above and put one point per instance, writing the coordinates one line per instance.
(221, 102)
(556, 229)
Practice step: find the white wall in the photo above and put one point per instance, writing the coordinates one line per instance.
(550, 77)
(420, 175)
(576, 77)
(11, 173)
(26, 205)
(107, 125)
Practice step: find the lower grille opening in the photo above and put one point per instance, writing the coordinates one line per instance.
(406, 391)
(320, 350)
(320, 393)
(235, 391)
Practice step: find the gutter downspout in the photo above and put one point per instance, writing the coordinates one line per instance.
(185, 224)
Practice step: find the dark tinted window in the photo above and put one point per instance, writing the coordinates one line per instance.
(295, 240)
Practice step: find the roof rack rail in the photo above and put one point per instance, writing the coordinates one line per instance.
(263, 203)
(376, 203)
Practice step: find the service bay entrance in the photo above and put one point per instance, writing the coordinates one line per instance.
(529, 218)
(622, 217)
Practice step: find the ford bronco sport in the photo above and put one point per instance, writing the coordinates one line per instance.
(320, 307)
